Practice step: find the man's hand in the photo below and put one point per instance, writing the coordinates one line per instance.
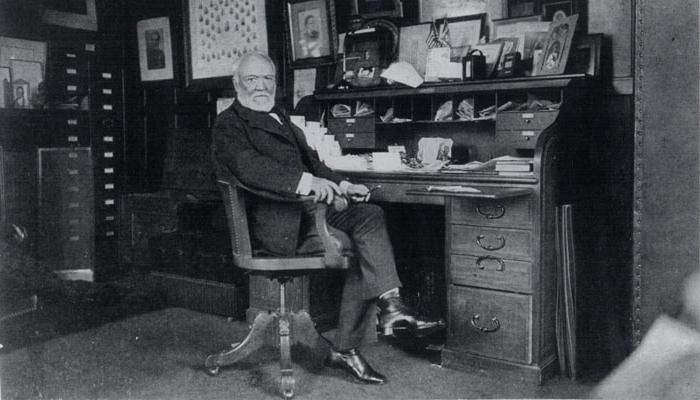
(357, 193)
(323, 190)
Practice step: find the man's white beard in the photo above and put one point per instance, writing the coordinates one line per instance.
(261, 104)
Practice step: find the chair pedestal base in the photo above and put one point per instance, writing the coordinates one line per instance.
(292, 328)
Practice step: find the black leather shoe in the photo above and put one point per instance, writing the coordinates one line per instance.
(353, 362)
(394, 314)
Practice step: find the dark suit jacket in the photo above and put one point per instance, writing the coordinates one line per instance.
(261, 153)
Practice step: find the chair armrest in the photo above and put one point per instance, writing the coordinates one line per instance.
(332, 246)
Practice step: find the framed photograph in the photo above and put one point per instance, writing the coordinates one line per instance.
(20, 49)
(431, 10)
(510, 45)
(584, 57)
(378, 8)
(77, 14)
(521, 28)
(27, 81)
(311, 32)
(464, 32)
(556, 10)
(217, 33)
(519, 8)
(155, 49)
(20, 89)
(549, 10)
(413, 47)
(557, 47)
(492, 51)
(5, 87)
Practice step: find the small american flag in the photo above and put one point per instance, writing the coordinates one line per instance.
(438, 37)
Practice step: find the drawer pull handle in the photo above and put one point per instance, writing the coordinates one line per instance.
(108, 123)
(495, 324)
(500, 245)
(480, 260)
(495, 212)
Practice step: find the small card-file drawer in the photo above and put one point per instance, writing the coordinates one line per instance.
(525, 120)
(509, 212)
(491, 272)
(351, 125)
(499, 242)
(355, 140)
(521, 139)
(490, 323)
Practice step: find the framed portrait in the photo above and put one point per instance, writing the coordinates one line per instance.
(557, 47)
(584, 57)
(27, 83)
(77, 14)
(20, 89)
(5, 87)
(217, 33)
(378, 8)
(492, 51)
(155, 49)
(431, 10)
(311, 32)
(21, 49)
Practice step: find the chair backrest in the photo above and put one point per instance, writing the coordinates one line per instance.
(234, 203)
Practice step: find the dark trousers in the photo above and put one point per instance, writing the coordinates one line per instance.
(373, 274)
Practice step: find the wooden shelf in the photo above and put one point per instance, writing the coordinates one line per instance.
(455, 87)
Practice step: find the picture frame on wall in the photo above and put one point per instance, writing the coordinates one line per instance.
(431, 10)
(5, 87)
(311, 32)
(76, 14)
(218, 34)
(557, 47)
(369, 9)
(155, 49)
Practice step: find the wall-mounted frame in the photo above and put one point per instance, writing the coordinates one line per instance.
(548, 9)
(217, 33)
(431, 10)
(310, 32)
(21, 49)
(378, 8)
(155, 49)
(77, 14)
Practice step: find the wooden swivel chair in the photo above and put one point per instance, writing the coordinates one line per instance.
(292, 327)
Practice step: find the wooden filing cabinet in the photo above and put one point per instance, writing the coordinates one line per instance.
(492, 247)
(66, 211)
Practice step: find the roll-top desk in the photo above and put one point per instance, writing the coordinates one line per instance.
(500, 246)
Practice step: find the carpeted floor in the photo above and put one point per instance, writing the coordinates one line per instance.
(159, 355)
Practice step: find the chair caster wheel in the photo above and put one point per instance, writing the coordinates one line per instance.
(213, 371)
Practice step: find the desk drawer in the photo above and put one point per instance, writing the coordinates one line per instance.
(535, 120)
(510, 212)
(520, 139)
(490, 323)
(498, 242)
(491, 272)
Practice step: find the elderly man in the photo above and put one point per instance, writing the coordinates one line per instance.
(255, 141)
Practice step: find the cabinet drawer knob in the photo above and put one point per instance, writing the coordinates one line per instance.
(495, 324)
(501, 243)
(491, 212)
(480, 262)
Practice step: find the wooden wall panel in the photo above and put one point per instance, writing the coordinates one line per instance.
(667, 165)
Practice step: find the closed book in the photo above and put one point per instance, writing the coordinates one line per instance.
(514, 166)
